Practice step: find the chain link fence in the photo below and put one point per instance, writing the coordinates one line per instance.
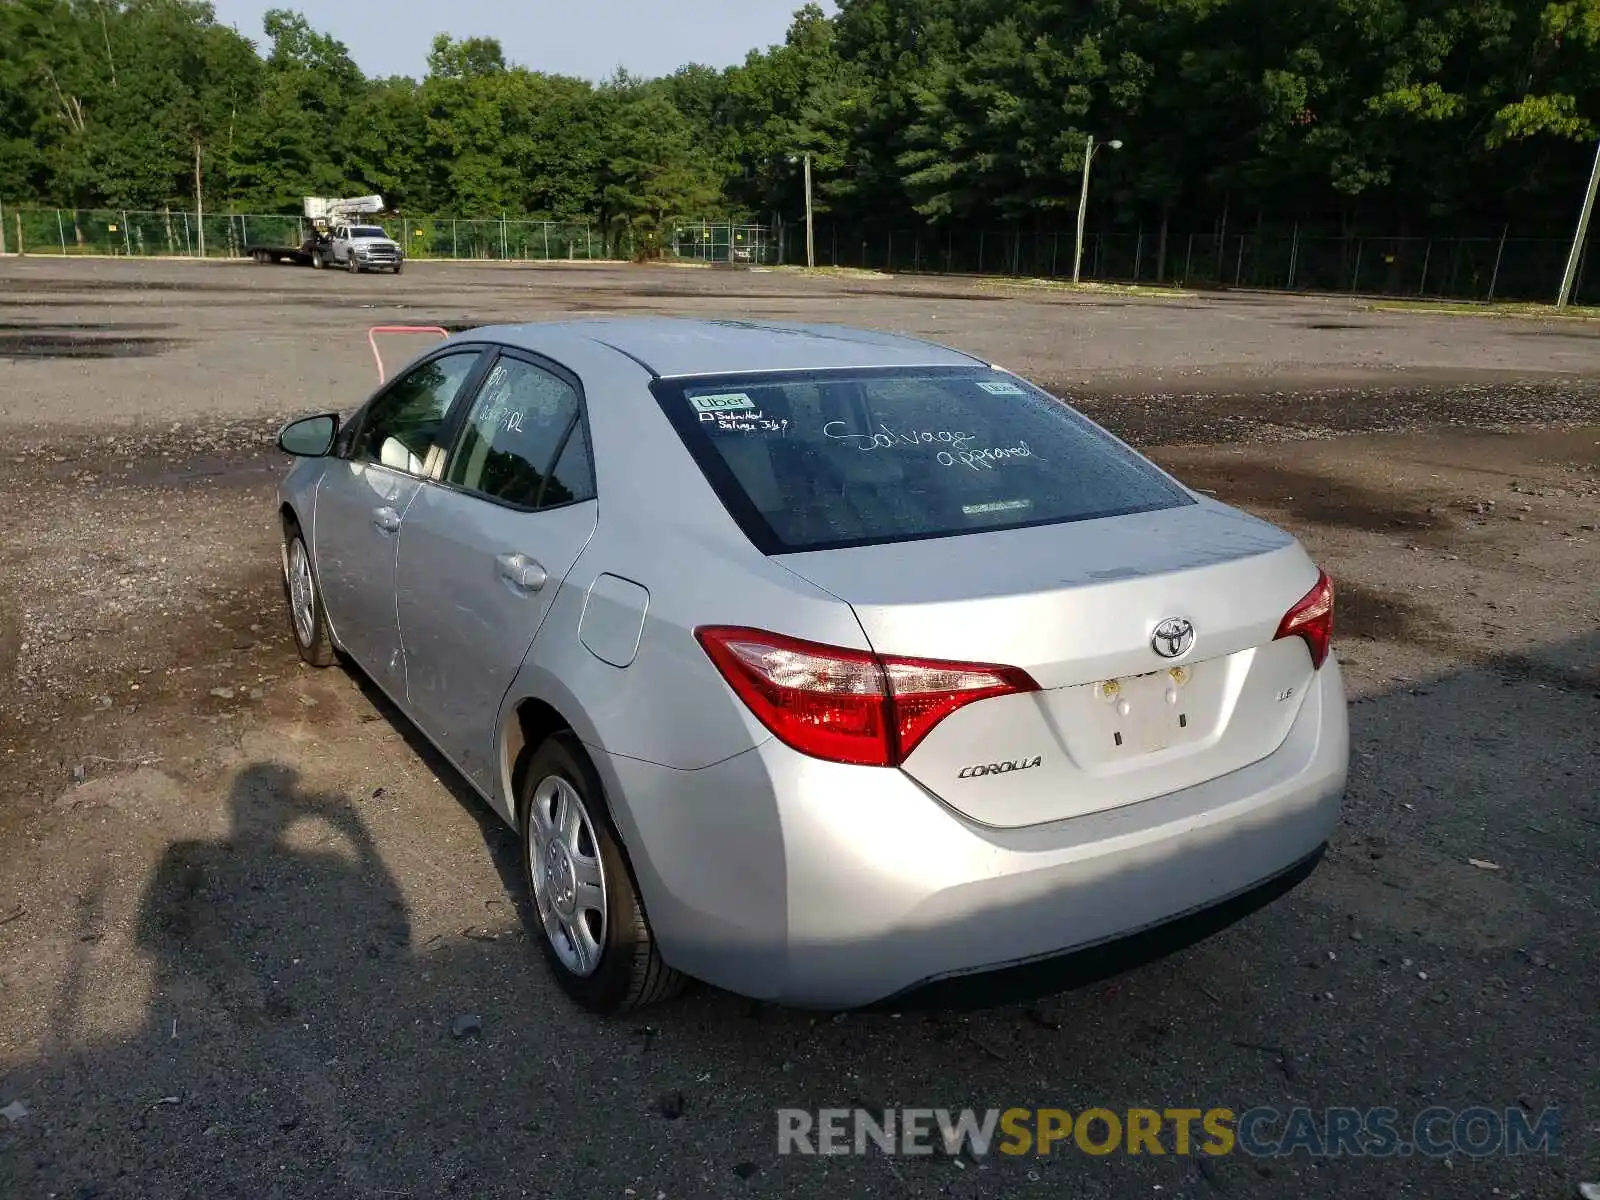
(723, 242)
(1465, 268)
(180, 233)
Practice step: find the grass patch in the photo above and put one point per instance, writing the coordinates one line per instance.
(1153, 291)
(1470, 308)
(831, 272)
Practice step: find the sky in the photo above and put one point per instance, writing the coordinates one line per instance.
(589, 38)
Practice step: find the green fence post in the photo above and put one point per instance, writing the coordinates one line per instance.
(61, 232)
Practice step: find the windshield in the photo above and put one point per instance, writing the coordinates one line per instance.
(367, 231)
(815, 461)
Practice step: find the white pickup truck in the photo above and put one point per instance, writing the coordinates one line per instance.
(364, 248)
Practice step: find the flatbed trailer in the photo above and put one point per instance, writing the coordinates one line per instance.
(313, 252)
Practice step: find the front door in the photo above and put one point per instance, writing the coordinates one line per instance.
(362, 499)
(484, 551)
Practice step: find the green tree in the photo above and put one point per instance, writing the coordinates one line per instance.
(298, 138)
(653, 168)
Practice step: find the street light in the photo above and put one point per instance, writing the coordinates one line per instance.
(811, 255)
(1083, 200)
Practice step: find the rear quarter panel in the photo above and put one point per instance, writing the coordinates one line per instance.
(660, 527)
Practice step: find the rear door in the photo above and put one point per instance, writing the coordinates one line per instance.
(483, 551)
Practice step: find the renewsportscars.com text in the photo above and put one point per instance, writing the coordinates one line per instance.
(1261, 1132)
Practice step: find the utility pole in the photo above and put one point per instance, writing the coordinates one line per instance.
(199, 202)
(1083, 205)
(810, 244)
(1083, 202)
(1568, 278)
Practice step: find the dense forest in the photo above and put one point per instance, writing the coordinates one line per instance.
(1392, 115)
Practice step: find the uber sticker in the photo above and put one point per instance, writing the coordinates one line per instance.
(722, 402)
(999, 387)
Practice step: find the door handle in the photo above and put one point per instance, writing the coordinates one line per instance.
(386, 519)
(521, 572)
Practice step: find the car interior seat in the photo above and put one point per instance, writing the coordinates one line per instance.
(394, 453)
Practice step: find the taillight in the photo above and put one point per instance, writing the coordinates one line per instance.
(849, 706)
(1312, 619)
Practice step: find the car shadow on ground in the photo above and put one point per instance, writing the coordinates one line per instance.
(298, 1042)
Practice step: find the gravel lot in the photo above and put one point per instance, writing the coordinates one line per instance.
(243, 908)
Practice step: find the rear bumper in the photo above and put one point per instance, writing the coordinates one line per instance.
(1088, 964)
(816, 884)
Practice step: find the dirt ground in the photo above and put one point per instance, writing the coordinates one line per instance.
(242, 906)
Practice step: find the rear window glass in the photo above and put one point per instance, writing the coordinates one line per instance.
(808, 461)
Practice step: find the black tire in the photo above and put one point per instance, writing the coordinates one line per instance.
(317, 261)
(397, 267)
(318, 651)
(352, 263)
(630, 974)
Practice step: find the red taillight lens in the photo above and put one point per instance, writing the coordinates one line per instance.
(1312, 619)
(925, 692)
(848, 706)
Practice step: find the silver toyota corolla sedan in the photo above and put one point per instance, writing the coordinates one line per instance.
(830, 667)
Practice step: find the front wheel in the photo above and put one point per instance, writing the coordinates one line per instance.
(352, 264)
(307, 618)
(397, 267)
(591, 924)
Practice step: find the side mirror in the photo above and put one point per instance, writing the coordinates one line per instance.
(309, 437)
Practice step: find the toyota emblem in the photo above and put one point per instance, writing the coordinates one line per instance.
(1172, 638)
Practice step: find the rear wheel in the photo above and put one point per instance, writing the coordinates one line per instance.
(307, 618)
(591, 924)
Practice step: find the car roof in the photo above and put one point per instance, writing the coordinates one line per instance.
(681, 346)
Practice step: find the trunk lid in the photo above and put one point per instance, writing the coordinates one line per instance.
(1076, 606)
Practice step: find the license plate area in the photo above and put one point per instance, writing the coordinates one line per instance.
(1149, 713)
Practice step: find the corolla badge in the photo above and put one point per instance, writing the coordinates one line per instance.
(977, 770)
(1172, 638)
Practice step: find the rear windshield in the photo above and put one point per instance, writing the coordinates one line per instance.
(810, 461)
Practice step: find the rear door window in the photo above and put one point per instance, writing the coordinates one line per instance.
(812, 461)
(523, 444)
